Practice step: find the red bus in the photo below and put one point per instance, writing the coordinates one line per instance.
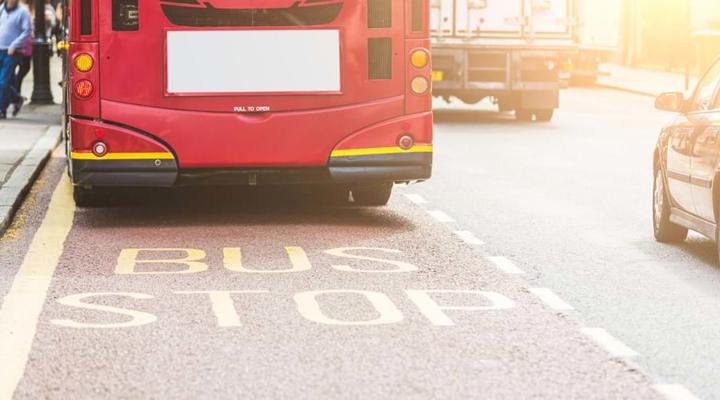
(329, 93)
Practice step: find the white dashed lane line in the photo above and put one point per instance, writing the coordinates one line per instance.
(505, 265)
(415, 198)
(441, 216)
(675, 392)
(551, 299)
(469, 238)
(615, 347)
(600, 336)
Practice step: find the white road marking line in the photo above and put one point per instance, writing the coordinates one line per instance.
(441, 216)
(674, 392)
(505, 265)
(550, 299)
(469, 237)
(415, 198)
(615, 347)
(23, 303)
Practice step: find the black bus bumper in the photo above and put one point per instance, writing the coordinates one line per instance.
(366, 169)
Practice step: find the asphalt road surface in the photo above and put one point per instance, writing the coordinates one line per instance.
(524, 269)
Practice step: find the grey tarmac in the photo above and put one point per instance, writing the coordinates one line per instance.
(332, 325)
(570, 204)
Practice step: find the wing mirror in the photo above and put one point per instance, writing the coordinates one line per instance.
(674, 102)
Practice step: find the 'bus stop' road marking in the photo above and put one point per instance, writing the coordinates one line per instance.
(22, 306)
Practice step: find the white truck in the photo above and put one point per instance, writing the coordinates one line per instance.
(599, 33)
(509, 50)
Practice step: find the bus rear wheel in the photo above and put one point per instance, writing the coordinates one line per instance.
(331, 194)
(85, 197)
(372, 195)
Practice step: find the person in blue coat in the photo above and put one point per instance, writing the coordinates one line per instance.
(15, 29)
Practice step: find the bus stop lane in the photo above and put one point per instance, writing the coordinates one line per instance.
(209, 294)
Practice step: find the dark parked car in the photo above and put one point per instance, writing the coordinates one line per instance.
(687, 163)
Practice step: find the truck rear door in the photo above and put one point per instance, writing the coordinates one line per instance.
(477, 18)
(489, 17)
(503, 18)
(442, 17)
(549, 18)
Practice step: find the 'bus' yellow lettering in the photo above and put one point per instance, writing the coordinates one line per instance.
(232, 258)
(399, 266)
(128, 262)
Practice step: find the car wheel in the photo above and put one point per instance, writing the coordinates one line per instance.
(583, 81)
(665, 231)
(717, 243)
(372, 196)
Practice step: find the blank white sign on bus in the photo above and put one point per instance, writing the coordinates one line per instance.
(253, 61)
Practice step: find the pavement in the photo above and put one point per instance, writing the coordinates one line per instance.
(568, 204)
(642, 81)
(25, 145)
(525, 268)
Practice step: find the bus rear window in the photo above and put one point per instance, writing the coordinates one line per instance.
(126, 16)
(85, 17)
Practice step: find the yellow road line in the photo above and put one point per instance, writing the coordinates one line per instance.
(123, 156)
(21, 308)
(380, 150)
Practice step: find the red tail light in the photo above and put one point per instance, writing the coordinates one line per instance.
(84, 88)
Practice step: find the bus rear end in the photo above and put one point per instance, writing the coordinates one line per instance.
(334, 93)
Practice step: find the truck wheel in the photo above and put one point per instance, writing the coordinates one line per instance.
(524, 115)
(86, 197)
(665, 231)
(373, 195)
(544, 115)
(584, 80)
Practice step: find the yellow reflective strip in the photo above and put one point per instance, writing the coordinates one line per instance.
(379, 151)
(123, 156)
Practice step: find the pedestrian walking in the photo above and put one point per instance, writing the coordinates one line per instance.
(22, 69)
(50, 19)
(15, 29)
